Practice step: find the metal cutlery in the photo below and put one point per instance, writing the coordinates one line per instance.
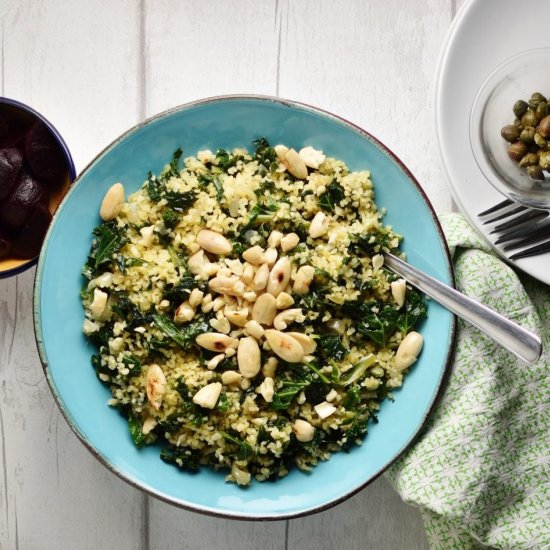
(521, 342)
(519, 227)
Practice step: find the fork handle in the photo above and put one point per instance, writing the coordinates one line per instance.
(522, 343)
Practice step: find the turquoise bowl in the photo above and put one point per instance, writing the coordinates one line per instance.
(229, 122)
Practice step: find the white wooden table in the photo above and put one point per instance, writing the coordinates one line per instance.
(96, 68)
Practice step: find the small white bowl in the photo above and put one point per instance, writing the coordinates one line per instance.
(516, 78)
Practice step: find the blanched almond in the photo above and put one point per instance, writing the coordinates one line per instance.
(283, 345)
(215, 361)
(331, 395)
(284, 300)
(237, 317)
(289, 241)
(312, 157)
(295, 165)
(112, 202)
(240, 476)
(261, 277)
(196, 296)
(324, 409)
(266, 389)
(270, 256)
(230, 377)
(281, 151)
(213, 242)
(208, 396)
(304, 430)
(398, 290)
(248, 357)
(149, 425)
(308, 344)
(226, 285)
(279, 276)
(270, 367)
(98, 307)
(408, 350)
(235, 266)
(286, 317)
(318, 226)
(215, 341)
(197, 261)
(377, 261)
(253, 328)
(274, 239)
(221, 325)
(248, 273)
(147, 235)
(156, 385)
(250, 296)
(303, 279)
(264, 309)
(254, 255)
(184, 313)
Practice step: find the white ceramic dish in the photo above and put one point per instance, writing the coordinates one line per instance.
(477, 43)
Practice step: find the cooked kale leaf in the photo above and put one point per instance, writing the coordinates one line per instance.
(184, 336)
(134, 425)
(124, 308)
(283, 397)
(180, 292)
(265, 154)
(331, 197)
(244, 451)
(133, 363)
(379, 321)
(157, 190)
(331, 347)
(109, 239)
(179, 201)
(170, 218)
(186, 459)
(371, 243)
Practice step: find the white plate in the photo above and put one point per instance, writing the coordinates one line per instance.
(483, 35)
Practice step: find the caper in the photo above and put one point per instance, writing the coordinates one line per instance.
(530, 159)
(542, 110)
(544, 160)
(517, 151)
(527, 134)
(510, 133)
(529, 118)
(540, 141)
(544, 127)
(535, 172)
(520, 107)
(517, 122)
(536, 98)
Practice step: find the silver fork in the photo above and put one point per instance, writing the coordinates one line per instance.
(519, 227)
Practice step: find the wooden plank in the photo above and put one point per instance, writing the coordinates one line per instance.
(54, 493)
(200, 50)
(76, 63)
(374, 519)
(374, 64)
(172, 528)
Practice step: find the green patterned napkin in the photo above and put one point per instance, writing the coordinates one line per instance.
(480, 469)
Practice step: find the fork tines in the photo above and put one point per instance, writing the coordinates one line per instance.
(523, 227)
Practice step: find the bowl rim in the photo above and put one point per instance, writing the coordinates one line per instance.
(489, 169)
(210, 510)
(70, 168)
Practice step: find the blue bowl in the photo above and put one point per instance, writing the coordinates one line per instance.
(229, 122)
